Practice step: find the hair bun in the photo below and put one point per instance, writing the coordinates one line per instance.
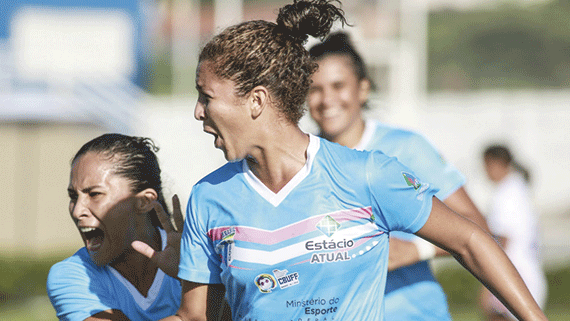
(304, 18)
(340, 38)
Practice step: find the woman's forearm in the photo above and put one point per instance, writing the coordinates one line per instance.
(477, 251)
(484, 258)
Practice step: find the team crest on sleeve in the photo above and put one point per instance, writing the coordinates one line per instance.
(411, 180)
(265, 282)
(418, 186)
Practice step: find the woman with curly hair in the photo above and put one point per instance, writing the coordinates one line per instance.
(295, 227)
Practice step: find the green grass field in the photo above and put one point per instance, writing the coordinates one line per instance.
(22, 291)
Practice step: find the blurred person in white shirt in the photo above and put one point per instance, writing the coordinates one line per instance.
(514, 223)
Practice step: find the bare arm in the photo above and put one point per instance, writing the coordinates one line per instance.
(477, 251)
(404, 253)
(461, 203)
(200, 302)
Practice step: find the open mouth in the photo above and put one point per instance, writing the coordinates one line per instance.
(330, 113)
(216, 138)
(93, 237)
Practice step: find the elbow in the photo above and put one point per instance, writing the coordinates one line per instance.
(473, 246)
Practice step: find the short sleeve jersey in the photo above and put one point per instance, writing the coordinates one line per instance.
(78, 289)
(412, 292)
(317, 249)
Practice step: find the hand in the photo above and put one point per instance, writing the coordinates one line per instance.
(402, 253)
(169, 258)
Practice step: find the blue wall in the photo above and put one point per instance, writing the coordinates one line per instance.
(132, 7)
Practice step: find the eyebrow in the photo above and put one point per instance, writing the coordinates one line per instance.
(84, 190)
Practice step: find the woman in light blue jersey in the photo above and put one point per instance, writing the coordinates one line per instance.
(337, 97)
(116, 202)
(295, 227)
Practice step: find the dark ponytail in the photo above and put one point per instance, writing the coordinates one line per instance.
(133, 158)
(503, 154)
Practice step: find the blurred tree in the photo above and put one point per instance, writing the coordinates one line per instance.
(511, 47)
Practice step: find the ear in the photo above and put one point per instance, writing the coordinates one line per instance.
(363, 91)
(259, 98)
(145, 200)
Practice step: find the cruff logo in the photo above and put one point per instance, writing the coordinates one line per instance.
(265, 282)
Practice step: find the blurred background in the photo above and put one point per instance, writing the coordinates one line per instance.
(465, 73)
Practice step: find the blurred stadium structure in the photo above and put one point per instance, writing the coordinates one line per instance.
(72, 69)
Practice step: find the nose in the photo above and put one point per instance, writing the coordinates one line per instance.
(199, 112)
(328, 97)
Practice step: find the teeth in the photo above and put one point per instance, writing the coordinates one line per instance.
(86, 229)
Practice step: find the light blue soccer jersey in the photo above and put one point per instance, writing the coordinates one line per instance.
(317, 249)
(78, 289)
(412, 293)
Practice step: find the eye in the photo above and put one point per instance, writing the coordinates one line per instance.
(72, 196)
(203, 99)
(338, 85)
(94, 194)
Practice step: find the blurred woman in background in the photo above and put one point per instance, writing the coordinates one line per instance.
(337, 96)
(514, 223)
(116, 202)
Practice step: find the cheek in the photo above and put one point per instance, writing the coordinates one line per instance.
(313, 99)
(119, 219)
(350, 98)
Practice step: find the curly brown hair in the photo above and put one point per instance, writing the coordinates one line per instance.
(270, 54)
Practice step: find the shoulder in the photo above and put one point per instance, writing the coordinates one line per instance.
(78, 261)
(223, 175)
(512, 187)
(405, 135)
(78, 268)
(409, 146)
(392, 139)
(340, 153)
(350, 162)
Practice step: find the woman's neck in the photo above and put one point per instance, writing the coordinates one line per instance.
(282, 156)
(137, 268)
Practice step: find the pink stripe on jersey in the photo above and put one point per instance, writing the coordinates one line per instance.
(261, 236)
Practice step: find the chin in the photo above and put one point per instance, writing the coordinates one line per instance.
(98, 260)
(231, 157)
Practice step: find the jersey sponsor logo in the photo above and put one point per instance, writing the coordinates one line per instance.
(329, 257)
(328, 245)
(328, 226)
(265, 282)
(228, 235)
(226, 245)
(286, 280)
